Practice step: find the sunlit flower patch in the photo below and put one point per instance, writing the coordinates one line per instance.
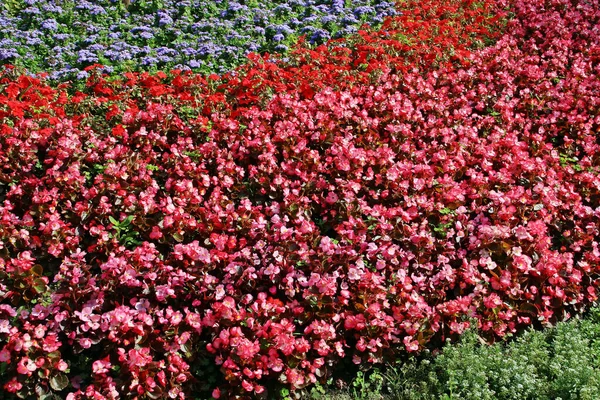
(175, 235)
(62, 38)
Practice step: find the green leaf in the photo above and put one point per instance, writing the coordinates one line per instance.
(49, 396)
(54, 356)
(186, 350)
(59, 381)
(114, 221)
(39, 285)
(19, 284)
(37, 270)
(155, 395)
(127, 221)
(40, 390)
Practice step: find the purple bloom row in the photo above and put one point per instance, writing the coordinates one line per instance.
(62, 38)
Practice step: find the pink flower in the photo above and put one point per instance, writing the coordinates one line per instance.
(26, 366)
(4, 326)
(492, 301)
(155, 234)
(294, 377)
(331, 198)
(50, 343)
(39, 331)
(247, 386)
(410, 344)
(162, 292)
(173, 393)
(246, 349)
(195, 321)
(13, 386)
(4, 355)
(62, 365)
(139, 358)
(271, 270)
(521, 233)
(354, 274)
(101, 366)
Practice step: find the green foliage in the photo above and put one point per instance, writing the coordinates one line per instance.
(562, 362)
(129, 238)
(12, 6)
(366, 387)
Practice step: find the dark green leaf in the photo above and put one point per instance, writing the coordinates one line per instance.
(39, 285)
(37, 270)
(59, 381)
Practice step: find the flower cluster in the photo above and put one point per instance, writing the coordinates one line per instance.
(354, 203)
(209, 36)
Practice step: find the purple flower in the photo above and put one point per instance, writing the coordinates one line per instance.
(96, 47)
(31, 10)
(52, 8)
(34, 41)
(338, 4)
(180, 32)
(86, 56)
(164, 19)
(349, 20)
(6, 53)
(328, 18)
(149, 61)
(319, 36)
(234, 7)
(97, 10)
(360, 11)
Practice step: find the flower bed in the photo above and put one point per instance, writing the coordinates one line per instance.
(164, 235)
(208, 36)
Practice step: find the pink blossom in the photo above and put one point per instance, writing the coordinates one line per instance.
(101, 366)
(5, 355)
(26, 366)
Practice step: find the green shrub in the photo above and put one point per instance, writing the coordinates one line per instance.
(562, 362)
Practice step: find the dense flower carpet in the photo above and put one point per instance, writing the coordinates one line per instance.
(173, 234)
(62, 37)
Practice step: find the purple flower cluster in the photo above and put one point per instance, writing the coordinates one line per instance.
(208, 36)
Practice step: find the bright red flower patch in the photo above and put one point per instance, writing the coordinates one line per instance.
(274, 223)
